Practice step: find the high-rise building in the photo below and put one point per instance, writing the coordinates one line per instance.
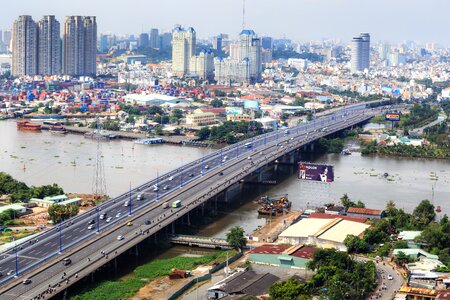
(267, 42)
(244, 64)
(360, 55)
(24, 47)
(217, 43)
(183, 48)
(203, 65)
(7, 35)
(79, 46)
(49, 46)
(104, 47)
(154, 38)
(165, 40)
(143, 40)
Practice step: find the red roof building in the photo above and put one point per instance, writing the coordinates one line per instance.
(365, 212)
(328, 216)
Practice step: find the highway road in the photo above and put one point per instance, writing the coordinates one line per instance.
(40, 259)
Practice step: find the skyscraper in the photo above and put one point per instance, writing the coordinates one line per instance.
(49, 48)
(154, 38)
(7, 40)
(79, 46)
(25, 47)
(217, 42)
(267, 42)
(183, 48)
(165, 40)
(250, 48)
(143, 40)
(360, 55)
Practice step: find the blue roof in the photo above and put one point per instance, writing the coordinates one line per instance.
(247, 32)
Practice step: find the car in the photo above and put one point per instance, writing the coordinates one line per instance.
(26, 281)
(166, 187)
(191, 175)
(118, 215)
(221, 173)
(120, 237)
(261, 153)
(147, 222)
(102, 216)
(91, 222)
(66, 261)
(207, 167)
(225, 157)
(165, 205)
(127, 203)
(390, 277)
(155, 189)
(130, 223)
(108, 219)
(10, 272)
(291, 138)
(171, 178)
(90, 227)
(140, 197)
(249, 158)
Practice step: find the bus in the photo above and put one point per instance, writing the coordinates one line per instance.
(176, 203)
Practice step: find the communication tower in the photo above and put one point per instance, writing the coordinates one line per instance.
(99, 181)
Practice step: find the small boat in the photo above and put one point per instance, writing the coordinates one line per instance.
(25, 125)
(438, 209)
(57, 129)
(346, 152)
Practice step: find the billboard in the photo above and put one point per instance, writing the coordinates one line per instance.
(392, 116)
(315, 172)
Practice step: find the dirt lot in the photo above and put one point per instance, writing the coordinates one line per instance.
(274, 227)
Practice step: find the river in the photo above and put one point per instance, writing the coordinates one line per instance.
(69, 160)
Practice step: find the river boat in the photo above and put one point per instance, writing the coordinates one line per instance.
(346, 152)
(57, 129)
(438, 209)
(99, 135)
(25, 125)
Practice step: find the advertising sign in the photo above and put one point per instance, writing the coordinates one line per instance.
(315, 172)
(394, 117)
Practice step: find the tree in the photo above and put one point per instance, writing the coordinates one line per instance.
(400, 244)
(401, 258)
(423, 214)
(355, 245)
(287, 290)
(58, 213)
(236, 238)
(216, 103)
(346, 202)
(204, 133)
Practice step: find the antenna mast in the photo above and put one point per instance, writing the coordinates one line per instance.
(243, 14)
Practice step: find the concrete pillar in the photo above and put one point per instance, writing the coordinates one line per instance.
(115, 263)
(137, 249)
(92, 277)
(188, 219)
(65, 294)
(225, 195)
(173, 227)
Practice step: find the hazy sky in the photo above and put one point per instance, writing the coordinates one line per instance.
(385, 20)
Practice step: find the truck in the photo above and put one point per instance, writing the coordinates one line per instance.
(176, 203)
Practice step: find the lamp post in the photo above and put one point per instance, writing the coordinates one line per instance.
(17, 258)
(181, 177)
(98, 220)
(60, 238)
(157, 185)
(131, 203)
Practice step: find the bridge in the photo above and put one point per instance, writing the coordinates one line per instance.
(199, 241)
(97, 237)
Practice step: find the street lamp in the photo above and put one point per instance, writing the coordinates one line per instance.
(157, 185)
(17, 258)
(60, 238)
(98, 220)
(131, 203)
(181, 177)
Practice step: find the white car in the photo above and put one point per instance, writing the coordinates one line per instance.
(249, 158)
(390, 277)
(92, 226)
(108, 220)
(155, 189)
(171, 178)
(120, 237)
(118, 215)
(207, 167)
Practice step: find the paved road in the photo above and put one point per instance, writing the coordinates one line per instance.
(194, 183)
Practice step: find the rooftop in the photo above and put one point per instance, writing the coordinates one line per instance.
(364, 211)
(328, 216)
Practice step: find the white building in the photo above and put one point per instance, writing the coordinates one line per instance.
(360, 56)
(183, 48)
(203, 65)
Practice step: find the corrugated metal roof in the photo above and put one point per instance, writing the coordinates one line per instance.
(364, 211)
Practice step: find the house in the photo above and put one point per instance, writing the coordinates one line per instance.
(60, 199)
(241, 284)
(373, 214)
(282, 255)
(18, 209)
(415, 253)
(200, 119)
(409, 237)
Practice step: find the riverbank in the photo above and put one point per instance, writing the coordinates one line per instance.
(145, 274)
(403, 150)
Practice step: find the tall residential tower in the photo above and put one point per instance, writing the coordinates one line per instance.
(360, 59)
(183, 48)
(24, 47)
(79, 46)
(49, 46)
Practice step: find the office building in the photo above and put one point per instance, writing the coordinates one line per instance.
(49, 46)
(217, 43)
(154, 38)
(79, 46)
(144, 40)
(360, 55)
(165, 40)
(183, 48)
(104, 45)
(5, 41)
(24, 47)
(267, 42)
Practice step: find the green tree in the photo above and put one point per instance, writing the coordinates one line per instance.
(204, 133)
(216, 103)
(236, 238)
(287, 290)
(355, 244)
(424, 214)
(58, 213)
(400, 244)
(346, 202)
(402, 258)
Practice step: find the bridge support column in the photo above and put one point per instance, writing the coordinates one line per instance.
(65, 294)
(312, 147)
(188, 219)
(137, 249)
(92, 277)
(115, 264)
(225, 196)
(173, 228)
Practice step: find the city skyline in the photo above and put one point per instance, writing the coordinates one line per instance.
(385, 20)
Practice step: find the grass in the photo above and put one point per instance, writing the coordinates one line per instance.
(112, 290)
